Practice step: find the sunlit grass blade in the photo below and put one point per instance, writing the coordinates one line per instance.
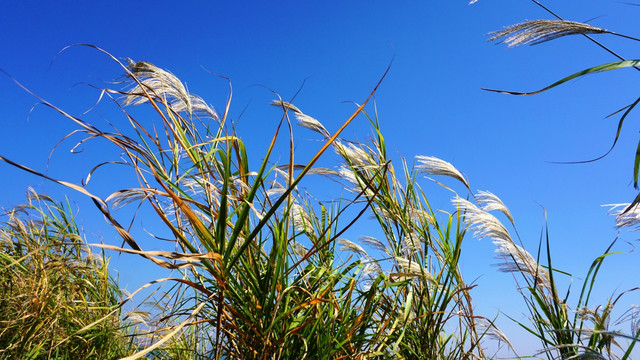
(596, 69)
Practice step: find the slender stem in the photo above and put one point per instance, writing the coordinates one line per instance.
(624, 36)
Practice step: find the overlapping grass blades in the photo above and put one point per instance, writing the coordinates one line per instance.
(432, 315)
(262, 270)
(261, 275)
(57, 299)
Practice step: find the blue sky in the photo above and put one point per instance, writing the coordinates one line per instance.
(431, 102)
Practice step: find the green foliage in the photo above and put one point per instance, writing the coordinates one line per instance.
(57, 298)
(261, 275)
(261, 270)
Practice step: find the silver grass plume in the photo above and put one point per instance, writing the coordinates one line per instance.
(411, 243)
(355, 154)
(123, 197)
(348, 175)
(301, 219)
(279, 172)
(173, 213)
(489, 202)
(298, 249)
(370, 271)
(516, 258)
(286, 105)
(138, 317)
(635, 320)
(321, 171)
(195, 184)
(375, 243)
(277, 187)
(166, 86)
(596, 315)
(32, 194)
(303, 120)
(434, 166)
(538, 31)
(419, 215)
(276, 190)
(625, 216)
(15, 223)
(413, 267)
(242, 187)
(348, 245)
(316, 170)
(371, 268)
(493, 332)
(5, 238)
(481, 222)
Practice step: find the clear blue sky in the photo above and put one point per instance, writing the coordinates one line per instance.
(431, 103)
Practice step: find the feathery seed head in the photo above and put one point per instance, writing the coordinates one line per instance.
(354, 154)
(348, 245)
(484, 224)
(276, 190)
(433, 166)
(412, 242)
(196, 185)
(538, 31)
(490, 202)
(635, 320)
(166, 86)
(280, 172)
(408, 266)
(375, 243)
(347, 174)
(5, 238)
(303, 120)
(310, 123)
(413, 267)
(124, 197)
(240, 186)
(372, 269)
(286, 105)
(321, 171)
(492, 331)
(516, 258)
(625, 216)
(301, 219)
(298, 249)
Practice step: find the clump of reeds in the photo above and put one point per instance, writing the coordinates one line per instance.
(262, 269)
(57, 298)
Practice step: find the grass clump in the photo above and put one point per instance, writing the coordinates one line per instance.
(262, 269)
(57, 299)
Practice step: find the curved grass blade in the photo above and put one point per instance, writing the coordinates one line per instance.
(596, 69)
(615, 141)
(636, 165)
